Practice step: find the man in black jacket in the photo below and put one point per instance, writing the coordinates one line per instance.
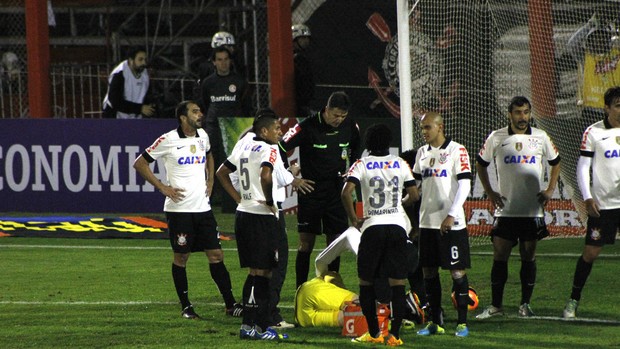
(328, 142)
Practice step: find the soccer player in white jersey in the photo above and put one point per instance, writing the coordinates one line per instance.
(383, 245)
(186, 152)
(256, 222)
(600, 152)
(518, 151)
(283, 178)
(442, 166)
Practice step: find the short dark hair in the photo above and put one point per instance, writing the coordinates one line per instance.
(409, 156)
(378, 138)
(340, 100)
(133, 52)
(181, 109)
(263, 118)
(218, 50)
(611, 95)
(518, 101)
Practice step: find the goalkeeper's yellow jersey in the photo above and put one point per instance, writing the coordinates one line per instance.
(317, 303)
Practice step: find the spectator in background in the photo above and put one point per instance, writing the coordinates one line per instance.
(221, 39)
(224, 95)
(9, 66)
(595, 50)
(128, 89)
(304, 79)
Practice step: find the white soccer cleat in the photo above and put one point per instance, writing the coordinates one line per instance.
(490, 312)
(570, 309)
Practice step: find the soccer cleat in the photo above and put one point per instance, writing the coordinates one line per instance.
(570, 309)
(462, 330)
(489, 312)
(408, 324)
(269, 335)
(431, 328)
(189, 313)
(367, 338)
(391, 341)
(247, 332)
(525, 310)
(235, 311)
(283, 324)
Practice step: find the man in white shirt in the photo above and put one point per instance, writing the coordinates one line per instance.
(442, 165)
(518, 151)
(186, 152)
(600, 154)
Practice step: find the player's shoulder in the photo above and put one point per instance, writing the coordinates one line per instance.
(455, 146)
(500, 132)
(537, 132)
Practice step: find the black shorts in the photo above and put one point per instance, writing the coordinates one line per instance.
(257, 240)
(602, 230)
(322, 212)
(449, 251)
(383, 253)
(518, 229)
(192, 231)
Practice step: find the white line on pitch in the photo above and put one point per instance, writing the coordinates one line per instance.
(64, 303)
(575, 320)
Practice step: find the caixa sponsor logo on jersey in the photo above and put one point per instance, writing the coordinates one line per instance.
(613, 153)
(373, 165)
(190, 160)
(434, 172)
(520, 159)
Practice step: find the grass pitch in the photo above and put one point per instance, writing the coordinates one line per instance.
(89, 293)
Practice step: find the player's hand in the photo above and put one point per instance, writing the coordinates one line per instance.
(496, 199)
(446, 225)
(544, 196)
(592, 208)
(147, 110)
(357, 223)
(306, 186)
(176, 194)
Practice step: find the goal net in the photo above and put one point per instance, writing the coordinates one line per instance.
(470, 57)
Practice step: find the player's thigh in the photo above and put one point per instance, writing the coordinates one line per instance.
(429, 248)
(454, 250)
(602, 230)
(180, 231)
(207, 236)
(257, 241)
(396, 265)
(371, 253)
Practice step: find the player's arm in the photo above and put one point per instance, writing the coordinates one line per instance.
(266, 183)
(583, 179)
(413, 194)
(464, 186)
(141, 165)
(347, 200)
(223, 175)
(483, 174)
(546, 194)
(210, 173)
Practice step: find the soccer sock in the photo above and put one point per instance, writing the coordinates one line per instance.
(461, 293)
(179, 276)
(261, 292)
(334, 265)
(302, 265)
(220, 275)
(398, 309)
(416, 283)
(499, 276)
(369, 308)
(582, 271)
(433, 294)
(528, 280)
(249, 302)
